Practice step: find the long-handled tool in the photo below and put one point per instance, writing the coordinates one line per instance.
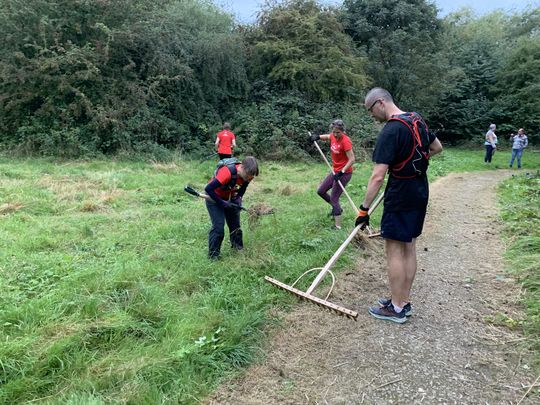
(192, 191)
(370, 234)
(208, 157)
(307, 295)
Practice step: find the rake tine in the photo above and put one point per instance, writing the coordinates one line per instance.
(313, 299)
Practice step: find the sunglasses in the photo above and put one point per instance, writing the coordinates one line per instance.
(373, 105)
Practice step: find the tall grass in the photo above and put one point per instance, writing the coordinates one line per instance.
(520, 203)
(107, 294)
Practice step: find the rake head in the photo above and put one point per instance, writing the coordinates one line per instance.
(315, 300)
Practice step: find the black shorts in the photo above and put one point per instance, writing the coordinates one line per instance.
(402, 226)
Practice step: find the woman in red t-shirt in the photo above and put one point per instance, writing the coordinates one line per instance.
(342, 160)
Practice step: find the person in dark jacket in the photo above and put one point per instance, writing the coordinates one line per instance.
(226, 190)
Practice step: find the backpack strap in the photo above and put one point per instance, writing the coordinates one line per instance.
(234, 174)
(412, 122)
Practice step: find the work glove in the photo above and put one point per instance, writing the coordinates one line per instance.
(362, 218)
(315, 137)
(237, 200)
(338, 175)
(236, 203)
(226, 205)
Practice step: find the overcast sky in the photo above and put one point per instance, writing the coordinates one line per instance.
(246, 10)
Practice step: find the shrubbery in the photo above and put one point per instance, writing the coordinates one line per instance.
(85, 78)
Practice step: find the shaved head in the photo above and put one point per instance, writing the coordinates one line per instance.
(377, 93)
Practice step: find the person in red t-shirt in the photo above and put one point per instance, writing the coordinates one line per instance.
(342, 160)
(225, 141)
(226, 187)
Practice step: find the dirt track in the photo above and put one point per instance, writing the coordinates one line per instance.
(447, 353)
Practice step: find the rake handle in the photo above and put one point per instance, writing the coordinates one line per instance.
(340, 250)
(194, 192)
(332, 260)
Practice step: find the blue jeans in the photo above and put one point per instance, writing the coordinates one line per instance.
(516, 153)
(219, 216)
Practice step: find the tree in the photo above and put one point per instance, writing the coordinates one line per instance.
(479, 48)
(401, 39)
(518, 88)
(79, 76)
(300, 45)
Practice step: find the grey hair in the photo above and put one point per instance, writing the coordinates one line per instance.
(378, 93)
(250, 166)
(338, 124)
(492, 126)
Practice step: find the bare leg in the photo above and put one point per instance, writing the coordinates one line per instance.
(401, 259)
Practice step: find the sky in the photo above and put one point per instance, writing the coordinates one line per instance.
(246, 10)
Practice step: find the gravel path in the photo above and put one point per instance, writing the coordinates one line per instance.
(449, 352)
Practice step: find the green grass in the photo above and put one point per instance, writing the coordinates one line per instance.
(520, 207)
(107, 294)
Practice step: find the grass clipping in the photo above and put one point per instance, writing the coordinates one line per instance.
(256, 211)
(10, 208)
(363, 240)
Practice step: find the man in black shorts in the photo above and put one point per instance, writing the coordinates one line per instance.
(403, 148)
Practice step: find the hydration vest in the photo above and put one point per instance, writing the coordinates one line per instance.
(231, 165)
(417, 161)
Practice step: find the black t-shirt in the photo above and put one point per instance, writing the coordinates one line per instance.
(394, 145)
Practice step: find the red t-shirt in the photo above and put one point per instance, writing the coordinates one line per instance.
(338, 149)
(225, 141)
(224, 176)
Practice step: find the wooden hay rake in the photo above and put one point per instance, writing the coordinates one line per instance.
(308, 294)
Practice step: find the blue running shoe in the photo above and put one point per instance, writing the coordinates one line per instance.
(384, 302)
(388, 314)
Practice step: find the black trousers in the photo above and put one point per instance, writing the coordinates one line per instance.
(219, 216)
(224, 155)
(489, 154)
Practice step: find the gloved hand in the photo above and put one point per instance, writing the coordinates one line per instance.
(236, 203)
(226, 205)
(237, 200)
(362, 218)
(338, 175)
(314, 137)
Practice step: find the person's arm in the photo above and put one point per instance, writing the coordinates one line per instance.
(374, 184)
(435, 147)
(234, 143)
(210, 190)
(324, 137)
(350, 162)
(217, 142)
(526, 141)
